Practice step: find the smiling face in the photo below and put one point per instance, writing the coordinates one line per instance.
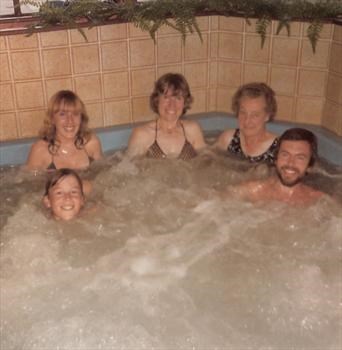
(171, 105)
(292, 161)
(67, 120)
(65, 198)
(252, 115)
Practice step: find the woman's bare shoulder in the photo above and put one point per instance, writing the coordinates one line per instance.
(224, 139)
(39, 156)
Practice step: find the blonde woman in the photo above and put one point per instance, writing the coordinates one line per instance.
(65, 140)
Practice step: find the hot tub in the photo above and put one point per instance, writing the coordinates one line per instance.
(113, 138)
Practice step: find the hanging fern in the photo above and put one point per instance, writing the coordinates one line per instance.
(313, 33)
(261, 28)
(181, 14)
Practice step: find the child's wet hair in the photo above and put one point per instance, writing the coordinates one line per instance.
(58, 175)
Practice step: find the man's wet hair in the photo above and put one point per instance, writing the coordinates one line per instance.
(300, 134)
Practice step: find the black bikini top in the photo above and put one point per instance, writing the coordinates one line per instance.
(235, 148)
(52, 165)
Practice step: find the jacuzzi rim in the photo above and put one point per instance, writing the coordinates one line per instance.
(15, 152)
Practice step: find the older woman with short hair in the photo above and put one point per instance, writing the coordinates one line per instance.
(169, 136)
(65, 140)
(255, 105)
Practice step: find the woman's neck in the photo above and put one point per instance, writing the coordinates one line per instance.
(168, 126)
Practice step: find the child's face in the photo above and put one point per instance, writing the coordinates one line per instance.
(65, 198)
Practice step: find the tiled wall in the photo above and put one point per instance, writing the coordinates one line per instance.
(332, 116)
(114, 71)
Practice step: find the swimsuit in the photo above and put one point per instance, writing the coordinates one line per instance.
(52, 165)
(235, 148)
(187, 152)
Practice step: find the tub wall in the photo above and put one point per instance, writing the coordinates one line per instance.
(114, 71)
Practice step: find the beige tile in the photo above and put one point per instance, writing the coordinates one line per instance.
(114, 55)
(26, 65)
(282, 46)
(30, 94)
(6, 97)
(312, 83)
(232, 24)
(77, 37)
(255, 72)
(196, 74)
(334, 88)
(195, 49)
(214, 22)
(142, 52)
(22, 41)
(326, 33)
(31, 122)
(141, 109)
(56, 62)
(3, 43)
(200, 101)
(88, 87)
(335, 58)
(203, 23)
(224, 99)
(142, 81)
(169, 50)
(283, 80)
(54, 85)
(295, 29)
(337, 33)
(251, 28)
(4, 68)
(113, 31)
(212, 100)
(309, 110)
(134, 32)
(213, 73)
(332, 117)
(318, 59)
(54, 38)
(117, 112)
(285, 108)
(253, 50)
(8, 126)
(229, 74)
(116, 85)
(86, 59)
(169, 69)
(214, 44)
(95, 114)
(230, 46)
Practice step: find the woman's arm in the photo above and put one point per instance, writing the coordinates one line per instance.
(94, 147)
(138, 142)
(224, 140)
(39, 157)
(194, 134)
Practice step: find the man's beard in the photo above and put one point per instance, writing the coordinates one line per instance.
(289, 183)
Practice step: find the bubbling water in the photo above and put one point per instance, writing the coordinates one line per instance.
(164, 262)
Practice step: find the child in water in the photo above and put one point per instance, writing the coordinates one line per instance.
(64, 194)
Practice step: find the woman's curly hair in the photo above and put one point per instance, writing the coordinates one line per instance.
(255, 90)
(48, 131)
(174, 82)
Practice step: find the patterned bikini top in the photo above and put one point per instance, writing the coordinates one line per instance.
(187, 152)
(235, 148)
